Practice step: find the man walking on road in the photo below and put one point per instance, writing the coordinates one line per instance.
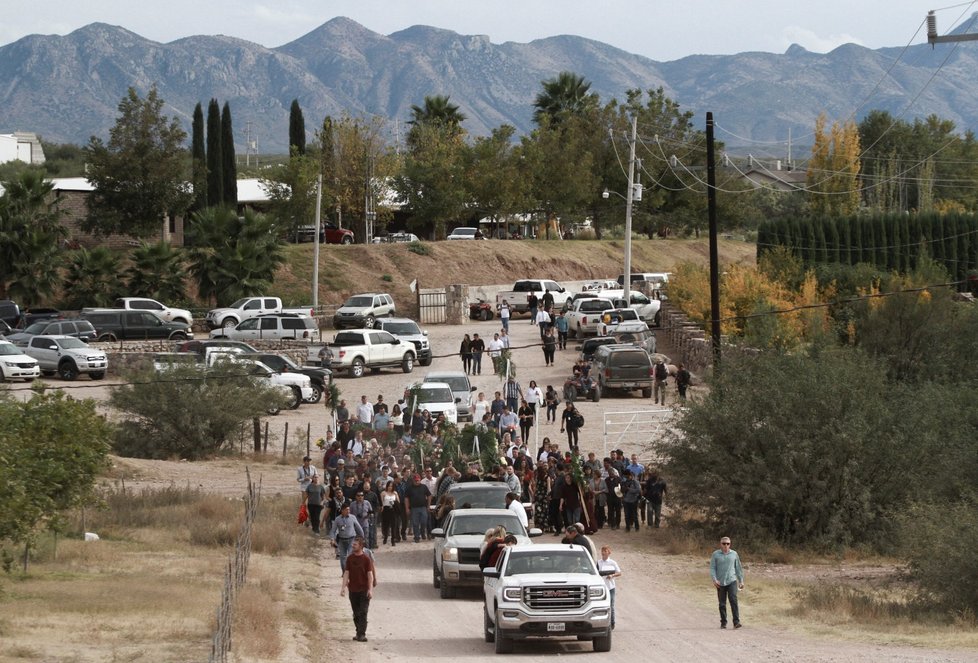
(728, 576)
(359, 578)
(345, 529)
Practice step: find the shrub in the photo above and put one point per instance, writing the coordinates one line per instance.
(419, 248)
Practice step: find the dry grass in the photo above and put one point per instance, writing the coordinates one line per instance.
(148, 590)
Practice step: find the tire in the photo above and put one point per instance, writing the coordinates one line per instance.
(596, 392)
(296, 399)
(571, 332)
(317, 394)
(357, 368)
(504, 645)
(647, 392)
(273, 411)
(346, 240)
(220, 337)
(67, 370)
(425, 362)
(3, 378)
(107, 338)
(97, 375)
(435, 580)
(369, 322)
(487, 628)
(484, 315)
(229, 323)
(657, 320)
(48, 374)
(603, 643)
(446, 590)
(407, 364)
(178, 336)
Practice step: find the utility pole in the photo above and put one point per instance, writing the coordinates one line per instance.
(711, 197)
(627, 280)
(315, 246)
(933, 39)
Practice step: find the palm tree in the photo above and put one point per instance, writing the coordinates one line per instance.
(436, 110)
(92, 278)
(157, 271)
(566, 94)
(30, 233)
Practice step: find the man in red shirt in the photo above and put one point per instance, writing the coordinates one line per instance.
(359, 577)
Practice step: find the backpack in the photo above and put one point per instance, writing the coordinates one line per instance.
(578, 419)
(661, 372)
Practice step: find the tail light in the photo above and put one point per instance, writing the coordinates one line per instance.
(651, 371)
(305, 334)
(607, 373)
(342, 353)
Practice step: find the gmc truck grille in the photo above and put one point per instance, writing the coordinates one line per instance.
(558, 597)
(468, 556)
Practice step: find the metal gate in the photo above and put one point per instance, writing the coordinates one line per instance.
(432, 306)
(636, 429)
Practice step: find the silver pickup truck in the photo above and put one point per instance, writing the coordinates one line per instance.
(546, 591)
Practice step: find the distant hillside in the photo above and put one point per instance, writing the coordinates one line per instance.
(67, 88)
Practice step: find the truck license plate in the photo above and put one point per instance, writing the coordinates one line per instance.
(555, 627)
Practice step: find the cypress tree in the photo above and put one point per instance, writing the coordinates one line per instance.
(867, 239)
(795, 239)
(951, 245)
(229, 163)
(914, 240)
(936, 244)
(831, 232)
(809, 247)
(199, 156)
(880, 241)
(821, 250)
(215, 162)
(297, 130)
(843, 229)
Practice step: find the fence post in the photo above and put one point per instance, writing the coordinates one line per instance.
(308, 437)
(285, 439)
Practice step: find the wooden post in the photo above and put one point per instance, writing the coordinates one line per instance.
(308, 437)
(285, 439)
(256, 435)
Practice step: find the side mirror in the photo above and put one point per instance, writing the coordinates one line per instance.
(491, 572)
(424, 332)
(438, 531)
(535, 532)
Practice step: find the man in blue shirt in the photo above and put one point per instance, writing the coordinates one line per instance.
(345, 529)
(728, 576)
(635, 467)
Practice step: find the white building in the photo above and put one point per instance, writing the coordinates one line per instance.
(21, 146)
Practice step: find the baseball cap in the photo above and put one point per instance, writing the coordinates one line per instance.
(341, 462)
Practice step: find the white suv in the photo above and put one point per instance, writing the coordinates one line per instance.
(272, 327)
(362, 310)
(15, 364)
(68, 356)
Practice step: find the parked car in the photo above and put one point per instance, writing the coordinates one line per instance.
(361, 310)
(356, 350)
(456, 548)
(624, 367)
(318, 377)
(112, 324)
(67, 356)
(38, 313)
(395, 238)
(82, 329)
(165, 361)
(9, 312)
(272, 327)
(466, 233)
(461, 388)
(14, 364)
(200, 347)
(250, 307)
(162, 310)
(5, 329)
(329, 233)
(408, 330)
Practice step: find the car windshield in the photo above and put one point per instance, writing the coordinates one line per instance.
(9, 349)
(480, 497)
(464, 231)
(403, 328)
(479, 523)
(435, 395)
(70, 342)
(457, 383)
(35, 328)
(361, 302)
(629, 359)
(594, 305)
(561, 561)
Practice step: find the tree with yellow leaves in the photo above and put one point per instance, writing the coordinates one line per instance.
(833, 171)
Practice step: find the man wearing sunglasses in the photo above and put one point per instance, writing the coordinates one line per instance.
(728, 576)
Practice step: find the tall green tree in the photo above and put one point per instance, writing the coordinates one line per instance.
(215, 159)
(567, 94)
(297, 129)
(157, 271)
(437, 110)
(496, 186)
(138, 176)
(233, 256)
(199, 156)
(30, 233)
(229, 167)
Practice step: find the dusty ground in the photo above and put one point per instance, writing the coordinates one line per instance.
(666, 604)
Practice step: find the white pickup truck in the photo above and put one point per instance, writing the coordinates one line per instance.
(584, 316)
(516, 298)
(355, 350)
(249, 307)
(162, 310)
(546, 591)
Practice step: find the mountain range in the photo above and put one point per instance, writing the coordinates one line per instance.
(67, 88)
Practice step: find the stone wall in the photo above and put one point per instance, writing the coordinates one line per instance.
(688, 338)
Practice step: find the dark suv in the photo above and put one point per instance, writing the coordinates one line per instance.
(621, 367)
(119, 325)
(82, 329)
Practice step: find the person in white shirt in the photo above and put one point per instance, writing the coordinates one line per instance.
(504, 315)
(513, 504)
(496, 348)
(543, 321)
(533, 396)
(504, 337)
(480, 407)
(305, 473)
(607, 563)
(365, 411)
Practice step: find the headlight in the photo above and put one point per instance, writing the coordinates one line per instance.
(596, 592)
(512, 593)
(449, 554)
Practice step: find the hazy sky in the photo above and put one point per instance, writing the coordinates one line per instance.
(659, 30)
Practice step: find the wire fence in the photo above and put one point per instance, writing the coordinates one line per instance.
(234, 577)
